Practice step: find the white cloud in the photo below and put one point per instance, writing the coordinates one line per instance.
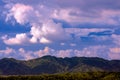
(116, 39)
(26, 55)
(7, 51)
(4, 37)
(33, 40)
(91, 51)
(114, 53)
(73, 44)
(43, 28)
(84, 31)
(115, 50)
(19, 39)
(44, 40)
(17, 54)
(77, 16)
(65, 53)
(74, 11)
(44, 52)
(21, 13)
(62, 44)
(49, 32)
(55, 31)
(40, 14)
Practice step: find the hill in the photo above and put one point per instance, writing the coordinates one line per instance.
(51, 65)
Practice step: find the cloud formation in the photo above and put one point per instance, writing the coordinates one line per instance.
(78, 11)
(53, 23)
(18, 40)
(43, 30)
(92, 51)
(20, 12)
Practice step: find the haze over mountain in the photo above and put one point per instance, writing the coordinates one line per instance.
(50, 65)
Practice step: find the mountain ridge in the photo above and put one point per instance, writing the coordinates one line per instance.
(50, 65)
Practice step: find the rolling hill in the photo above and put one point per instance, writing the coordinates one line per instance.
(51, 65)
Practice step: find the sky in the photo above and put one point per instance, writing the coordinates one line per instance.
(62, 28)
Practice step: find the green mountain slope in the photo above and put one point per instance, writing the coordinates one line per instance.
(50, 65)
(9, 66)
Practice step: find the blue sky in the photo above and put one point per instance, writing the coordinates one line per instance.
(84, 28)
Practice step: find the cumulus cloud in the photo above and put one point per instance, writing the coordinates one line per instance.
(49, 32)
(20, 12)
(19, 39)
(45, 19)
(7, 51)
(75, 11)
(43, 28)
(44, 40)
(17, 54)
(26, 55)
(91, 51)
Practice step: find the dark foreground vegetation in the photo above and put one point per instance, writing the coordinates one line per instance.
(68, 76)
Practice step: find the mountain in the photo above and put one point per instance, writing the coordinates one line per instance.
(10, 66)
(51, 64)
